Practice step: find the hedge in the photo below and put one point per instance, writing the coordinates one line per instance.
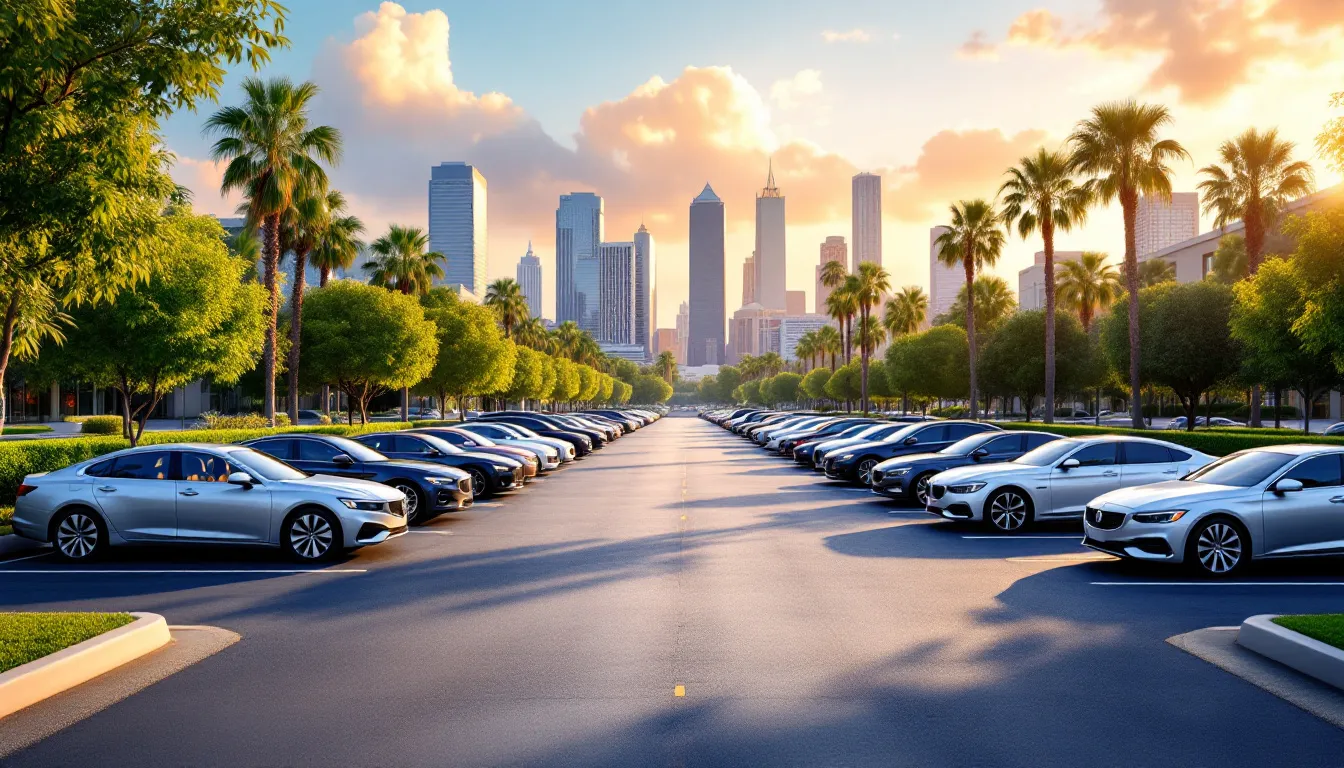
(100, 425)
(26, 429)
(25, 457)
(1215, 442)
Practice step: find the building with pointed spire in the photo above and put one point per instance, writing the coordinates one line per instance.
(646, 289)
(705, 340)
(529, 279)
(771, 261)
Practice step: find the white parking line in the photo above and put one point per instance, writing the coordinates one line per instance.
(29, 557)
(183, 570)
(486, 504)
(1217, 583)
(1011, 538)
(1079, 558)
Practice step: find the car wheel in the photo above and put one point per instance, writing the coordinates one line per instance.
(1218, 548)
(79, 536)
(415, 500)
(480, 485)
(921, 487)
(311, 535)
(865, 471)
(1008, 511)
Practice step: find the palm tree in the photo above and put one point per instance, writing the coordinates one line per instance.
(1258, 176)
(873, 283)
(340, 244)
(530, 332)
(505, 296)
(829, 342)
(833, 276)
(1152, 272)
(1118, 146)
(974, 240)
(1087, 285)
(272, 153)
(302, 227)
(994, 302)
(567, 339)
(1041, 194)
(403, 261)
(842, 305)
(906, 311)
(667, 363)
(806, 350)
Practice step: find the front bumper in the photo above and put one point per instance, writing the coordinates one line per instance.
(841, 471)
(958, 506)
(1122, 537)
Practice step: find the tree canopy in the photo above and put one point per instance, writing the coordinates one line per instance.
(474, 357)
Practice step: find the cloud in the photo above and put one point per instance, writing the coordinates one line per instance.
(855, 35)
(953, 165)
(977, 46)
(203, 178)
(789, 92)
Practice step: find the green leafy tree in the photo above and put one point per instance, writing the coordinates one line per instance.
(786, 387)
(974, 239)
(902, 369)
(708, 390)
(607, 388)
(726, 381)
(589, 384)
(546, 392)
(651, 390)
(995, 302)
(1229, 261)
(814, 383)
(1011, 364)
(939, 357)
(749, 391)
(844, 385)
(505, 296)
(567, 383)
(528, 376)
(474, 359)
(1320, 259)
(622, 392)
(303, 226)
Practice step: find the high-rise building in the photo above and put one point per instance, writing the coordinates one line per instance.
(749, 280)
(665, 340)
(529, 279)
(579, 230)
(705, 344)
(1160, 224)
(1031, 281)
(616, 293)
(457, 224)
(867, 219)
(833, 249)
(795, 302)
(646, 288)
(683, 331)
(792, 328)
(771, 259)
(944, 281)
(754, 330)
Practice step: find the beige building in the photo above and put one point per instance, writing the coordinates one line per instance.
(1160, 224)
(1031, 281)
(944, 281)
(795, 302)
(833, 249)
(753, 330)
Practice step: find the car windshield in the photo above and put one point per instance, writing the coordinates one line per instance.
(356, 451)
(901, 434)
(862, 430)
(439, 444)
(478, 439)
(262, 466)
(964, 446)
(1242, 469)
(1047, 454)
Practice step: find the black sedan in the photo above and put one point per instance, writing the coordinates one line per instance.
(907, 477)
(430, 489)
(855, 463)
(597, 438)
(583, 444)
(489, 473)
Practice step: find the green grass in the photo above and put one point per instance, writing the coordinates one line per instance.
(27, 429)
(6, 515)
(1325, 627)
(25, 637)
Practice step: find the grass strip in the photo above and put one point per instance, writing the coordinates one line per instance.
(26, 637)
(1325, 627)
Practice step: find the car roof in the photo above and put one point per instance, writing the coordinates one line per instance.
(1300, 449)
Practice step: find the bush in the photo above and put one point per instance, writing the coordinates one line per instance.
(100, 425)
(951, 412)
(1215, 442)
(26, 429)
(213, 420)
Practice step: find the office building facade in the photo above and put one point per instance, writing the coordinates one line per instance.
(866, 215)
(795, 302)
(616, 293)
(754, 330)
(683, 331)
(1159, 224)
(832, 249)
(944, 281)
(646, 288)
(792, 328)
(749, 280)
(1031, 281)
(579, 230)
(529, 279)
(771, 258)
(457, 224)
(705, 342)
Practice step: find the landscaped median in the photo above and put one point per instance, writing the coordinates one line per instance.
(1310, 644)
(43, 654)
(1215, 442)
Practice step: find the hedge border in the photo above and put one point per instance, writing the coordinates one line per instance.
(1215, 442)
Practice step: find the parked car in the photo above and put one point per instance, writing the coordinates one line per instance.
(430, 489)
(203, 494)
(536, 457)
(907, 478)
(1335, 429)
(806, 453)
(582, 443)
(511, 434)
(490, 474)
(855, 463)
(1057, 480)
(1273, 502)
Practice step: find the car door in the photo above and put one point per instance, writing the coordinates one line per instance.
(138, 496)
(1312, 519)
(1000, 449)
(317, 456)
(1096, 473)
(412, 447)
(1143, 463)
(926, 440)
(210, 509)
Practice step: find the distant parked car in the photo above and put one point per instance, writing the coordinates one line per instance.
(1335, 429)
(907, 477)
(490, 474)
(855, 463)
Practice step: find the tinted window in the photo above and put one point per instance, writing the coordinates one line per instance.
(265, 467)
(205, 468)
(1146, 453)
(958, 431)
(1098, 455)
(936, 434)
(1004, 444)
(407, 444)
(312, 450)
(148, 465)
(452, 438)
(101, 469)
(378, 442)
(1178, 455)
(1242, 469)
(1036, 441)
(1317, 472)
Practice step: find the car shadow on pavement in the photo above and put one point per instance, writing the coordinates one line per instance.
(935, 539)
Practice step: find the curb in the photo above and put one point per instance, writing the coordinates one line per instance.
(45, 677)
(1291, 649)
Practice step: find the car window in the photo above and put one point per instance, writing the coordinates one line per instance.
(1004, 444)
(205, 467)
(958, 431)
(313, 450)
(146, 465)
(381, 443)
(1099, 455)
(936, 434)
(1317, 472)
(408, 444)
(1178, 455)
(1146, 453)
(1243, 469)
(101, 469)
(1036, 441)
(260, 465)
(280, 449)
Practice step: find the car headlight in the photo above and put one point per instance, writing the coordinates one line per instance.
(965, 488)
(898, 472)
(1168, 516)
(846, 457)
(366, 506)
(440, 481)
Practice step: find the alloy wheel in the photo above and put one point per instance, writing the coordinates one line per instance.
(1219, 548)
(310, 535)
(77, 536)
(478, 483)
(412, 499)
(1008, 511)
(866, 471)
(922, 490)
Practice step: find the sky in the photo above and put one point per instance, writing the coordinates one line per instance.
(644, 105)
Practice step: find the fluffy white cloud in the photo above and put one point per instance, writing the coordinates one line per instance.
(788, 93)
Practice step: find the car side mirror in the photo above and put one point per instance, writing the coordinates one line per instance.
(469, 443)
(1287, 485)
(979, 453)
(241, 478)
(342, 458)
(911, 440)
(1068, 464)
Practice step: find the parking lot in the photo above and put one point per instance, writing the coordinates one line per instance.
(681, 598)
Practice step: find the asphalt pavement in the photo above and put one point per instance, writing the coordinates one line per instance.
(682, 599)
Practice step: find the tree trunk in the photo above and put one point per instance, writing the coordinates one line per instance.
(1129, 204)
(1307, 400)
(1048, 235)
(1190, 404)
(968, 263)
(405, 404)
(1278, 407)
(295, 329)
(323, 275)
(863, 360)
(271, 257)
(6, 348)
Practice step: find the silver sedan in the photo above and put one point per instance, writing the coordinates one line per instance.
(1273, 502)
(203, 494)
(1057, 480)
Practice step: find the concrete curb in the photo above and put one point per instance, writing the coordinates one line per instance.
(37, 680)
(1291, 649)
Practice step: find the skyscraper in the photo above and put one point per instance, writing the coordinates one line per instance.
(705, 344)
(579, 229)
(646, 289)
(833, 249)
(683, 331)
(749, 280)
(944, 281)
(795, 302)
(867, 219)
(771, 260)
(529, 279)
(1159, 225)
(616, 293)
(457, 194)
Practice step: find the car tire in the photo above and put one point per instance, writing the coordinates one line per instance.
(480, 483)
(1008, 510)
(417, 506)
(919, 488)
(312, 535)
(863, 470)
(1217, 548)
(78, 535)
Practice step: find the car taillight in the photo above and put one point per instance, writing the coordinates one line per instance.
(25, 489)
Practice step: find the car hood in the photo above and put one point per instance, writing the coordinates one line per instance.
(901, 461)
(830, 445)
(493, 458)
(1172, 493)
(982, 471)
(855, 448)
(347, 487)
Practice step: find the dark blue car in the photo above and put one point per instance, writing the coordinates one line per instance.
(907, 477)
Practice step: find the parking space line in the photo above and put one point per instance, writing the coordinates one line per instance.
(20, 559)
(1011, 538)
(92, 571)
(1217, 583)
(1079, 558)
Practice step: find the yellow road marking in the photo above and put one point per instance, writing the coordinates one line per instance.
(679, 691)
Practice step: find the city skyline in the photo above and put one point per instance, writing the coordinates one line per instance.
(458, 224)
(529, 280)
(706, 343)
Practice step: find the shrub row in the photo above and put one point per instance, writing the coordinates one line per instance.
(100, 425)
(1215, 442)
(214, 420)
(25, 457)
(1229, 410)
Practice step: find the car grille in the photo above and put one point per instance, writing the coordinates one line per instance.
(877, 476)
(464, 485)
(937, 491)
(398, 508)
(1106, 521)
